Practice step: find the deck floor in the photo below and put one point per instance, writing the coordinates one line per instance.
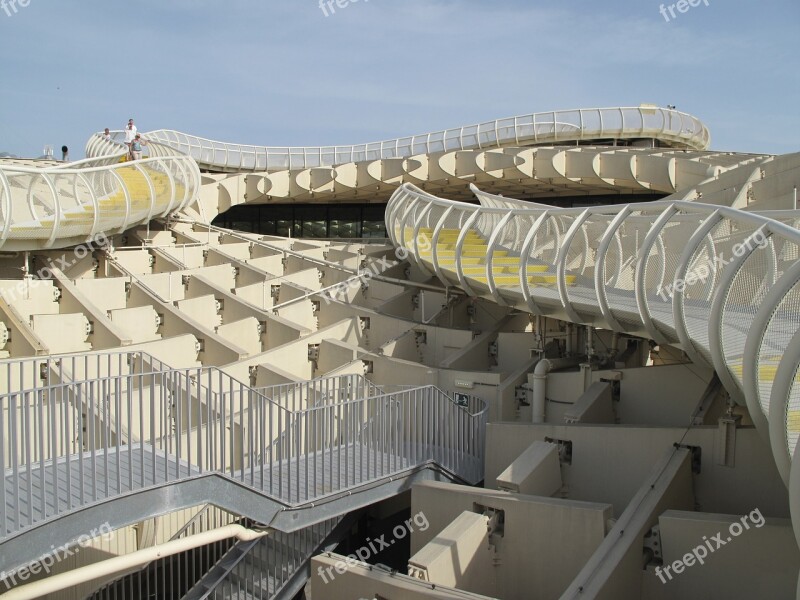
(52, 488)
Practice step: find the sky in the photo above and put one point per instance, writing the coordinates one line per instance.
(290, 73)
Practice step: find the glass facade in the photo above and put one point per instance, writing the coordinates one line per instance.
(307, 220)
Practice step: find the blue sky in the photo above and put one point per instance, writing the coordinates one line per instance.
(282, 73)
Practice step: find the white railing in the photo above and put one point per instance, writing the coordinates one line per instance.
(721, 284)
(69, 204)
(671, 127)
(85, 432)
(98, 147)
(330, 389)
(260, 569)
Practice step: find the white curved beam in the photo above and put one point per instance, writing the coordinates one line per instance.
(670, 127)
(90, 197)
(700, 320)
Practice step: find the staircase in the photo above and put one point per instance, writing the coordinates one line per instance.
(505, 266)
(271, 567)
(66, 205)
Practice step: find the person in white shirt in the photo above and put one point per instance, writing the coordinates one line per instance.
(130, 132)
(107, 135)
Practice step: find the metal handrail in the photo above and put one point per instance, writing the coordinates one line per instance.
(270, 564)
(356, 272)
(179, 573)
(43, 371)
(327, 386)
(689, 276)
(73, 194)
(83, 440)
(97, 147)
(667, 125)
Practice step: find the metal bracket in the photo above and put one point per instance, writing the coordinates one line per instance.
(697, 456)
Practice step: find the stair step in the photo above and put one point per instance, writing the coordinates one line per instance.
(536, 279)
(476, 252)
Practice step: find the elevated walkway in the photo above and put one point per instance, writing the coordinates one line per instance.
(672, 128)
(70, 204)
(719, 283)
(120, 438)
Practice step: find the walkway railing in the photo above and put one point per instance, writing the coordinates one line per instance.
(169, 573)
(671, 127)
(76, 442)
(99, 147)
(270, 567)
(332, 389)
(42, 372)
(721, 284)
(67, 204)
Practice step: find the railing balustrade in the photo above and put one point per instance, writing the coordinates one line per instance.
(720, 283)
(117, 423)
(563, 126)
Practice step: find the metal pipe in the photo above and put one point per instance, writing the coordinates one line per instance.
(70, 579)
(586, 369)
(569, 339)
(540, 373)
(539, 389)
(541, 324)
(614, 350)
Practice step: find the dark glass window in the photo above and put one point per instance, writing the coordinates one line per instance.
(307, 220)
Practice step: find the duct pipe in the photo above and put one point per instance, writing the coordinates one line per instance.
(614, 344)
(119, 564)
(586, 369)
(540, 325)
(543, 368)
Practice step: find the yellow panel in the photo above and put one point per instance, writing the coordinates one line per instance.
(793, 421)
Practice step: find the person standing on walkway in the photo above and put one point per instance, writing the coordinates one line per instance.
(130, 135)
(136, 147)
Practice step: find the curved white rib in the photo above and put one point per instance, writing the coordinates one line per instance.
(670, 127)
(68, 204)
(720, 283)
(545, 171)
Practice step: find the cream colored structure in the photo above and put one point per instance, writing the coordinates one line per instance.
(499, 153)
(63, 205)
(617, 381)
(646, 122)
